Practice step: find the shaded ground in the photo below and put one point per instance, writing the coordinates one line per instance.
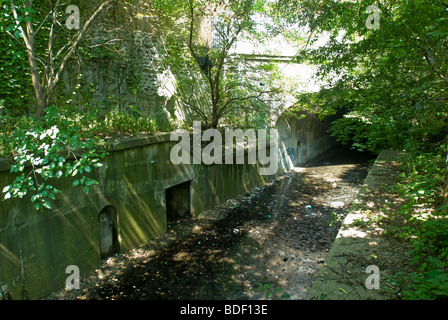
(266, 244)
(363, 242)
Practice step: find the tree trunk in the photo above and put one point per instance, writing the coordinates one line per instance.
(214, 123)
(42, 104)
(445, 182)
(214, 118)
(39, 91)
(29, 39)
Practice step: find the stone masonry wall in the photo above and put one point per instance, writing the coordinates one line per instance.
(119, 65)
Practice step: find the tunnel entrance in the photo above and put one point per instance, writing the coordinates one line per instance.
(108, 235)
(297, 156)
(304, 136)
(178, 201)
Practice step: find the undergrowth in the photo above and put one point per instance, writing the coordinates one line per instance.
(424, 224)
(64, 143)
(86, 123)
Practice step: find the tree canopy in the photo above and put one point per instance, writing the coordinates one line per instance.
(213, 82)
(384, 65)
(386, 69)
(390, 81)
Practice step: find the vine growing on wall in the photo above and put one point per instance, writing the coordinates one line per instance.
(50, 145)
(29, 21)
(46, 150)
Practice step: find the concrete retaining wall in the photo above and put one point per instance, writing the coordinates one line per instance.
(36, 247)
(125, 210)
(303, 136)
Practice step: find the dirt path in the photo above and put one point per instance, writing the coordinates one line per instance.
(267, 244)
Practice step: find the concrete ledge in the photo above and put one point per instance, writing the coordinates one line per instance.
(112, 144)
(360, 245)
(134, 142)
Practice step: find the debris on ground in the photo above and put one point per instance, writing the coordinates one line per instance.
(277, 235)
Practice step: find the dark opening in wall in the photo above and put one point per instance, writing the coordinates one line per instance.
(297, 158)
(108, 234)
(178, 201)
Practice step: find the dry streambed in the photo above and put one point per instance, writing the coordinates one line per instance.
(266, 244)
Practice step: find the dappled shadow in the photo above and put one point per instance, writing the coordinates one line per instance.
(277, 234)
(339, 155)
(363, 240)
(200, 265)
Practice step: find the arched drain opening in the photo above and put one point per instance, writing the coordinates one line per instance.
(178, 201)
(108, 235)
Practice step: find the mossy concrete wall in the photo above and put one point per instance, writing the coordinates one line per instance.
(303, 136)
(36, 247)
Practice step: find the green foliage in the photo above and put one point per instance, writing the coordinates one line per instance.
(15, 84)
(271, 292)
(48, 150)
(430, 249)
(390, 83)
(65, 144)
(429, 285)
(116, 121)
(213, 83)
(336, 218)
(432, 240)
(422, 175)
(366, 130)
(424, 224)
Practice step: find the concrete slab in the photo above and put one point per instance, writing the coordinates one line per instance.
(362, 259)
